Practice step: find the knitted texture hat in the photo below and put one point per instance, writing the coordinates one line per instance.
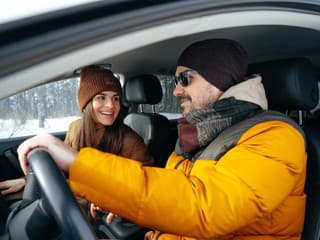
(93, 80)
(222, 62)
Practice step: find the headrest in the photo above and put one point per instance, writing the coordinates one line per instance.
(143, 89)
(290, 84)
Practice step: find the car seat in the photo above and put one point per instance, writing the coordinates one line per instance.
(312, 222)
(151, 126)
(154, 129)
(291, 87)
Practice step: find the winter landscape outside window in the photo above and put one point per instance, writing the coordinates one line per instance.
(52, 107)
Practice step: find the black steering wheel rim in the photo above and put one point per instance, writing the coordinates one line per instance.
(59, 200)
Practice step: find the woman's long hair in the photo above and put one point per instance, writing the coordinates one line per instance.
(111, 139)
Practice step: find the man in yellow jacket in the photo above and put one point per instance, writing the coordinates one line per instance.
(237, 171)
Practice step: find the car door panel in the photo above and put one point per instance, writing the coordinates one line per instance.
(9, 163)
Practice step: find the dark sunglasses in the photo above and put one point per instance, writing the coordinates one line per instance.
(184, 78)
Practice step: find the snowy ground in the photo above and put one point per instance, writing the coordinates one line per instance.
(10, 128)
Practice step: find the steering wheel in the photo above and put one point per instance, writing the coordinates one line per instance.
(55, 206)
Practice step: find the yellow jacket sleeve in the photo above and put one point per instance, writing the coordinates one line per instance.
(206, 199)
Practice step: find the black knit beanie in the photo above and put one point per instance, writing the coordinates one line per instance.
(222, 62)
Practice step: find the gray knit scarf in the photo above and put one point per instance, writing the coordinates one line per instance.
(200, 127)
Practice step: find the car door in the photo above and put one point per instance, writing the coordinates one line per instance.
(47, 108)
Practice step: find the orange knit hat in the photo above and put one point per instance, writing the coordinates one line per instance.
(93, 80)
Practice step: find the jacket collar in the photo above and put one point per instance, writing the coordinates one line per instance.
(251, 90)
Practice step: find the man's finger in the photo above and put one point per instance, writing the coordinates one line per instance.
(110, 218)
(22, 155)
(93, 211)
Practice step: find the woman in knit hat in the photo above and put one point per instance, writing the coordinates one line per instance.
(101, 125)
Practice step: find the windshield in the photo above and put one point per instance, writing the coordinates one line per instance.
(17, 9)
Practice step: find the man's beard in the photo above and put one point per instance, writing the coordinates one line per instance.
(183, 99)
(194, 107)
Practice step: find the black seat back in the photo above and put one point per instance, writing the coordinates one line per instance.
(152, 127)
(291, 84)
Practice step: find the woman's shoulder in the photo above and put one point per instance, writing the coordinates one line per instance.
(73, 129)
(75, 124)
(72, 132)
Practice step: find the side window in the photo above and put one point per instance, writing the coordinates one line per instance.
(47, 108)
(170, 105)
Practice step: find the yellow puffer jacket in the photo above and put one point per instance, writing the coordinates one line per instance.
(254, 191)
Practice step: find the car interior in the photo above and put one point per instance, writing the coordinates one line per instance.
(282, 42)
(288, 75)
(152, 127)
